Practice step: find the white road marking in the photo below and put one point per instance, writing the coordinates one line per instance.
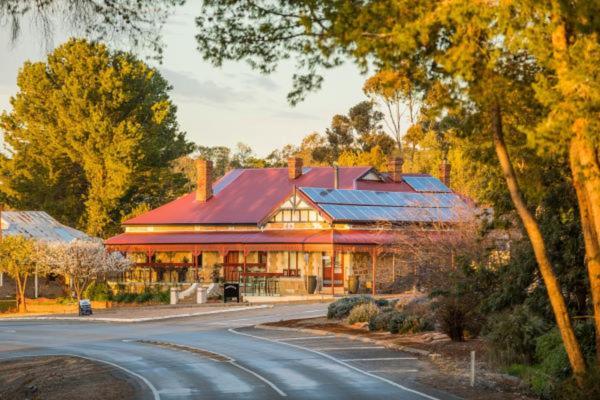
(391, 371)
(231, 361)
(305, 338)
(155, 392)
(325, 355)
(348, 348)
(262, 378)
(380, 359)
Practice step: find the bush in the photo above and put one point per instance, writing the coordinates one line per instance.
(589, 390)
(456, 318)
(415, 324)
(341, 308)
(396, 322)
(382, 303)
(99, 291)
(512, 336)
(402, 323)
(381, 321)
(363, 313)
(551, 355)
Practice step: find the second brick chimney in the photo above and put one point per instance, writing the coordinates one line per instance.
(203, 180)
(395, 168)
(445, 173)
(294, 167)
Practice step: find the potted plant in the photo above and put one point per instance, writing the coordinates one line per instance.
(216, 273)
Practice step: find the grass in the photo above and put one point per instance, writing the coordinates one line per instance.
(6, 305)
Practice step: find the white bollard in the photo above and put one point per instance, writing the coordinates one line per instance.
(174, 296)
(472, 368)
(201, 295)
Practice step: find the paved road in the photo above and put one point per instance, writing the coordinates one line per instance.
(223, 356)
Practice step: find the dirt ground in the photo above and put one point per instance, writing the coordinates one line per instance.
(451, 360)
(65, 377)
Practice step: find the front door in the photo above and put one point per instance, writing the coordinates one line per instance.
(338, 270)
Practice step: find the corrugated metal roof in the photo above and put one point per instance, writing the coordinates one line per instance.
(38, 225)
(244, 196)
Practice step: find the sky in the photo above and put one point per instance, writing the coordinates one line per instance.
(216, 106)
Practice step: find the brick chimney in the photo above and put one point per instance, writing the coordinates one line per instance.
(395, 168)
(294, 167)
(445, 172)
(203, 180)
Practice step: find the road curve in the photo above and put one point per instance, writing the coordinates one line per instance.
(180, 359)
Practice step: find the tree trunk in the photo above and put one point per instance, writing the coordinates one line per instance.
(21, 285)
(532, 228)
(585, 167)
(578, 158)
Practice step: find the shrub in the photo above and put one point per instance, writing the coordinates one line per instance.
(341, 308)
(456, 318)
(590, 389)
(99, 291)
(512, 336)
(551, 355)
(415, 324)
(381, 321)
(382, 302)
(363, 313)
(396, 322)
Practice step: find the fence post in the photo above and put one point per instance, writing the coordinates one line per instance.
(473, 368)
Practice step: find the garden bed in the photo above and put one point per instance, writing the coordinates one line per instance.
(451, 359)
(65, 377)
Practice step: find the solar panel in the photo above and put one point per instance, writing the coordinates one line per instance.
(226, 180)
(388, 214)
(426, 184)
(373, 198)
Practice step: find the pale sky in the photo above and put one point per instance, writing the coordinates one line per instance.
(216, 106)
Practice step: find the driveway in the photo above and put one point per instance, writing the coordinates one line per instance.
(223, 356)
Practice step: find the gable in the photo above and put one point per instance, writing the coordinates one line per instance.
(371, 176)
(296, 209)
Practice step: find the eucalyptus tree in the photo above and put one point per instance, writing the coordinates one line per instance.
(523, 74)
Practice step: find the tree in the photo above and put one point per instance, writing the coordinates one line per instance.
(82, 262)
(20, 258)
(94, 125)
(396, 94)
(479, 52)
(131, 22)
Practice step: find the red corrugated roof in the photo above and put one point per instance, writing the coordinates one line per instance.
(247, 199)
(353, 237)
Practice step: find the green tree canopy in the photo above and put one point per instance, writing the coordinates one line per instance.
(91, 134)
(522, 75)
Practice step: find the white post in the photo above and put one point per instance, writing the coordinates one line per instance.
(35, 283)
(174, 295)
(1, 279)
(472, 368)
(201, 296)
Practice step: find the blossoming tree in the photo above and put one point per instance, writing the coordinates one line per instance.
(83, 262)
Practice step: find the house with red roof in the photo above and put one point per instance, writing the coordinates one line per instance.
(294, 230)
